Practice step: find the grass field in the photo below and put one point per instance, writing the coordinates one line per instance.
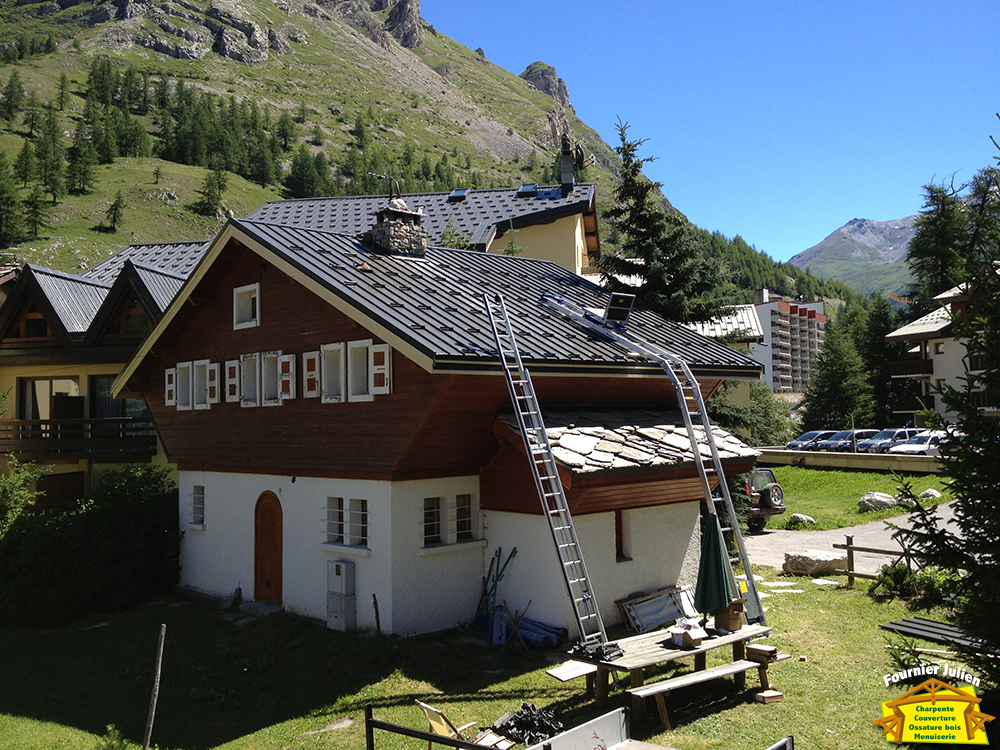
(831, 497)
(270, 683)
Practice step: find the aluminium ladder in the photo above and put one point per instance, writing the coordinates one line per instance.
(692, 407)
(547, 482)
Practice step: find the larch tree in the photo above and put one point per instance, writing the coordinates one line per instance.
(661, 259)
(840, 395)
(937, 248)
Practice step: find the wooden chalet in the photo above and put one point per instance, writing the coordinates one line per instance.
(342, 431)
(63, 339)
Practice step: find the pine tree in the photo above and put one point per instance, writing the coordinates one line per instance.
(12, 97)
(674, 275)
(82, 161)
(877, 354)
(967, 547)
(116, 211)
(839, 395)
(938, 245)
(25, 166)
(10, 208)
(302, 180)
(62, 95)
(286, 131)
(35, 211)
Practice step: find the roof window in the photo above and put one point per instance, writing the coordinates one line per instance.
(528, 190)
(458, 195)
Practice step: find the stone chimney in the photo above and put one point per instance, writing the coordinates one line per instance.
(761, 296)
(398, 230)
(566, 159)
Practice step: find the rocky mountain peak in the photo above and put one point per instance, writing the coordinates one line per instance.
(404, 23)
(544, 78)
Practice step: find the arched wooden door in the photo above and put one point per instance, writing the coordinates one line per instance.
(267, 549)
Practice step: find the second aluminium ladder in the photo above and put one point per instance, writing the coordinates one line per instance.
(692, 407)
(546, 473)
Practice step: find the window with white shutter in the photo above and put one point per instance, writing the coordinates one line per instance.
(213, 383)
(269, 378)
(250, 379)
(332, 373)
(184, 385)
(358, 371)
(199, 384)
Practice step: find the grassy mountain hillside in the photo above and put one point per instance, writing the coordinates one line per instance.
(869, 256)
(345, 89)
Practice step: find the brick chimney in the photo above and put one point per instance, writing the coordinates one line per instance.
(398, 230)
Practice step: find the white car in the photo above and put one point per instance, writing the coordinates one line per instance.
(924, 444)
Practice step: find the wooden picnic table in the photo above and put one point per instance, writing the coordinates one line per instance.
(651, 649)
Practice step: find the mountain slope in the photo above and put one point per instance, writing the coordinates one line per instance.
(866, 255)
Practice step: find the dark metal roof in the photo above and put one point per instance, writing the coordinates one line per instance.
(479, 215)
(435, 303)
(75, 300)
(178, 258)
(161, 285)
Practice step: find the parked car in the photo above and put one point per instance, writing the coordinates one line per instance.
(807, 441)
(766, 498)
(845, 440)
(882, 441)
(924, 444)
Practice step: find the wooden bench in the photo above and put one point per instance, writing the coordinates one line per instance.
(660, 689)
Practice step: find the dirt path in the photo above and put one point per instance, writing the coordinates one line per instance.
(769, 547)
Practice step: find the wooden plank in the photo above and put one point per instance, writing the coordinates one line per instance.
(570, 670)
(694, 678)
(892, 553)
(930, 630)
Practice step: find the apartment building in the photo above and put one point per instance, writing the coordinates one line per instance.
(793, 334)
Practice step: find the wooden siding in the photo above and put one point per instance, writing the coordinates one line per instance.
(430, 425)
(507, 484)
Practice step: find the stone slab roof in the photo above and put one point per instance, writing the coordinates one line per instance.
(743, 318)
(934, 324)
(589, 441)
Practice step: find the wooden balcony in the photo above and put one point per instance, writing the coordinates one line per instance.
(911, 368)
(110, 440)
(911, 404)
(987, 400)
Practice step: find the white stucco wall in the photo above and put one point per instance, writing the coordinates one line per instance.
(433, 588)
(656, 539)
(220, 556)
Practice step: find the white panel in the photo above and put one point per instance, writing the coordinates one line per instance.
(213, 383)
(310, 375)
(380, 369)
(232, 380)
(170, 386)
(286, 376)
(250, 379)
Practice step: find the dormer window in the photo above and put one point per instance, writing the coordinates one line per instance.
(246, 306)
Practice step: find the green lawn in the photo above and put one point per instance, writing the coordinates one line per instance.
(831, 496)
(268, 683)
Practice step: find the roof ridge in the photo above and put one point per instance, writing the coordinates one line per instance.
(472, 191)
(80, 278)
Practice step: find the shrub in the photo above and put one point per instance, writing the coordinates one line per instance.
(114, 550)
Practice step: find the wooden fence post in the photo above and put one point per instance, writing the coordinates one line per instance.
(850, 560)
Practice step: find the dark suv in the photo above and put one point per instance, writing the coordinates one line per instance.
(766, 498)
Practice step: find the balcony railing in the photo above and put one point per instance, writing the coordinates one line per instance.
(115, 440)
(987, 400)
(911, 404)
(911, 368)
(977, 362)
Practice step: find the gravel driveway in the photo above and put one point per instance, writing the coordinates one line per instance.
(769, 546)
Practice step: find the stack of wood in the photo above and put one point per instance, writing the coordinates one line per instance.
(761, 653)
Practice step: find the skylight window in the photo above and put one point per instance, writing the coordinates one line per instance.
(458, 195)
(528, 190)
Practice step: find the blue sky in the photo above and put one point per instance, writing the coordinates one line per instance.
(777, 121)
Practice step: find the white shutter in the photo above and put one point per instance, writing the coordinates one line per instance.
(232, 380)
(380, 369)
(184, 373)
(286, 376)
(170, 386)
(214, 396)
(332, 373)
(310, 375)
(250, 379)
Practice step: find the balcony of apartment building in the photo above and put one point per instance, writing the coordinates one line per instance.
(52, 426)
(910, 403)
(104, 440)
(912, 367)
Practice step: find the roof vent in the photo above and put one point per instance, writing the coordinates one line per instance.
(458, 195)
(528, 190)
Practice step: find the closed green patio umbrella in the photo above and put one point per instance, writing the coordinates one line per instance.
(713, 592)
